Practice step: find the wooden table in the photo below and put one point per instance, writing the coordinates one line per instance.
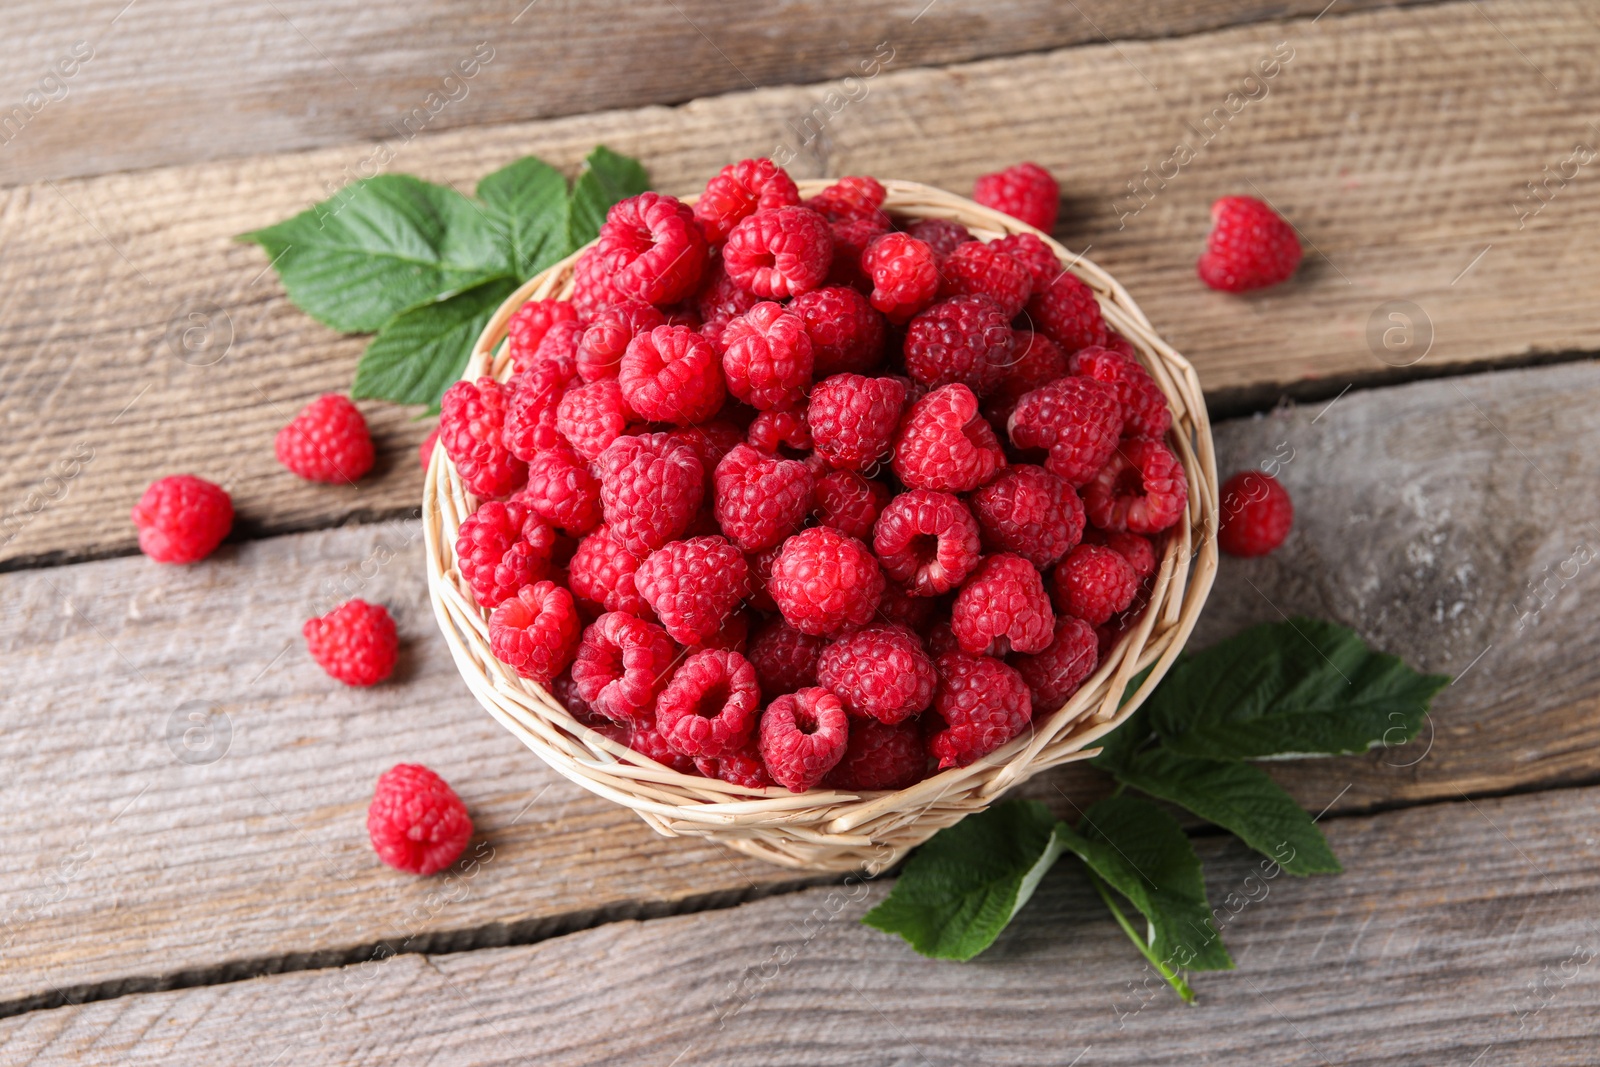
(210, 897)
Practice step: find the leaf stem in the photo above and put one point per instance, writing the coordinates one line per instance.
(1173, 978)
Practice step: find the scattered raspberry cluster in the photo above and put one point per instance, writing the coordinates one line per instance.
(793, 492)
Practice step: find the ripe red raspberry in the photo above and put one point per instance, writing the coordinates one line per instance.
(779, 253)
(880, 672)
(1137, 550)
(966, 339)
(650, 489)
(601, 572)
(710, 706)
(1093, 583)
(940, 639)
(732, 636)
(878, 756)
(928, 541)
(846, 333)
(472, 417)
(941, 235)
(977, 269)
(1256, 514)
(694, 585)
(182, 519)
(562, 491)
(1035, 361)
(1250, 246)
(536, 632)
(899, 606)
(1118, 343)
(1067, 312)
(559, 345)
(565, 690)
(803, 735)
(760, 574)
(781, 433)
(743, 767)
(984, 705)
(527, 327)
(852, 197)
(658, 252)
(606, 337)
(1077, 420)
(853, 419)
(622, 663)
(1030, 512)
(766, 358)
(590, 417)
(643, 738)
(721, 298)
(760, 499)
(1144, 405)
(904, 273)
(531, 415)
(355, 643)
(327, 442)
(824, 582)
(1024, 191)
(740, 190)
(1003, 608)
(1142, 488)
(415, 822)
(849, 503)
(785, 659)
(592, 286)
(1032, 253)
(1055, 674)
(944, 444)
(851, 238)
(671, 374)
(500, 548)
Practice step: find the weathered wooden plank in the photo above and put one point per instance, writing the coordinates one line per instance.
(168, 82)
(1396, 140)
(1460, 933)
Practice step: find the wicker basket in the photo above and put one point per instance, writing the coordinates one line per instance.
(830, 829)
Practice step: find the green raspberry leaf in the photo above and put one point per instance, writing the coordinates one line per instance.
(964, 886)
(419, 354)
(607, 178)
(528, 202)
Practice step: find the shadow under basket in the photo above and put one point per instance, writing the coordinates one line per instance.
(826, 829)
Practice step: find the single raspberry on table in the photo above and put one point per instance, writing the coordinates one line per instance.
(803, 735)
(694, 585)
(500, 548)
(780, 252)
(527, 327)
(1030, 512)
(182, 519)
(1056, 673)
(534, 407)
(1256, 514)
(425, 450)
(622, 663)
(1135, 548)
(941, 235)
(671, 374)
(928, 541)
(1093, 583)
(851, 238)
(1250, 246)
(1144, 405)
(851, 197)
(849, 503)
(965, 339)
(327, 442)
(651, 486)
(846, 331)
(977, 269)
(416, 822)
(738, 191)
(944, 444)
(355, 643)
(602, 572)
(606, 337)
(743, 767)
(589, 417)
(721, 298)
(1076, 420)
(1141, 489)
(1024, 191)
(658, 250)
(766, 357)
(472, 418)
(1067, 312)
(904, 274)
(536, 632)
(785, 659)
(912, 612)
(1032, 253)
(984, 704)
(1036, 361)
(880, 672)
(853, 419)
(760, 499)
(781, 433)
(824, 582)
(880, 756)
(710, 706)
(1002, 608)
(562, 491)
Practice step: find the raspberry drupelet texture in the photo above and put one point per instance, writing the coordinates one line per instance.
(781, 433)
(355, 643)
(1256, 514)
(1067, 312)
(1003, 607)
(1024, 191)
(880, 672)
(182, 519)
(621, 665)
(1056, 673)
(721, 299)
(879, 756)
(602, 572)
(732, 636)
(803, 736)
(851, 237)
(527, 327)
(927, 541)
(849, 503)
(415, 822)
(785, 659)
(1141, 489)
(854, 196)
(899, 606)
(1076, 420)
(709, 708)
(606, 337)
(1250, 246)
(533, 411)
(904, 273)
(766, 357)
(1030, 512)
(710, 441)
(760, 499)
(1135, 548)
(743, 767)
(825, 583)
(536, 632)
(327, 442)
(1144, 405)
(592, 287)
(500, 548)
(944, 444)
(1032, 253)
(657, 252)
(846, 331)
(984, 704)
(853, 419)
(780, 252)
(559, 345)
(671, 374)
(977, 269)
(1036, 361)
(738, 191)
(562, 491)
(651, 486)
(472, 418)
(694, 585)
(590, 417)
(1093, 583)
(941, 235)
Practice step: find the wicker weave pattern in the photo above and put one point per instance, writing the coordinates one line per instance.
(823, 829)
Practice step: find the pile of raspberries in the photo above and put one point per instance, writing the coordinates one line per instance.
(795, 492)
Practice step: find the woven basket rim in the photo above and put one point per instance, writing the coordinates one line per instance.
(832, 829)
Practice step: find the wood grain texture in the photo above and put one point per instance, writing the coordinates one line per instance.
(1396, 140)
(1458, 931)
